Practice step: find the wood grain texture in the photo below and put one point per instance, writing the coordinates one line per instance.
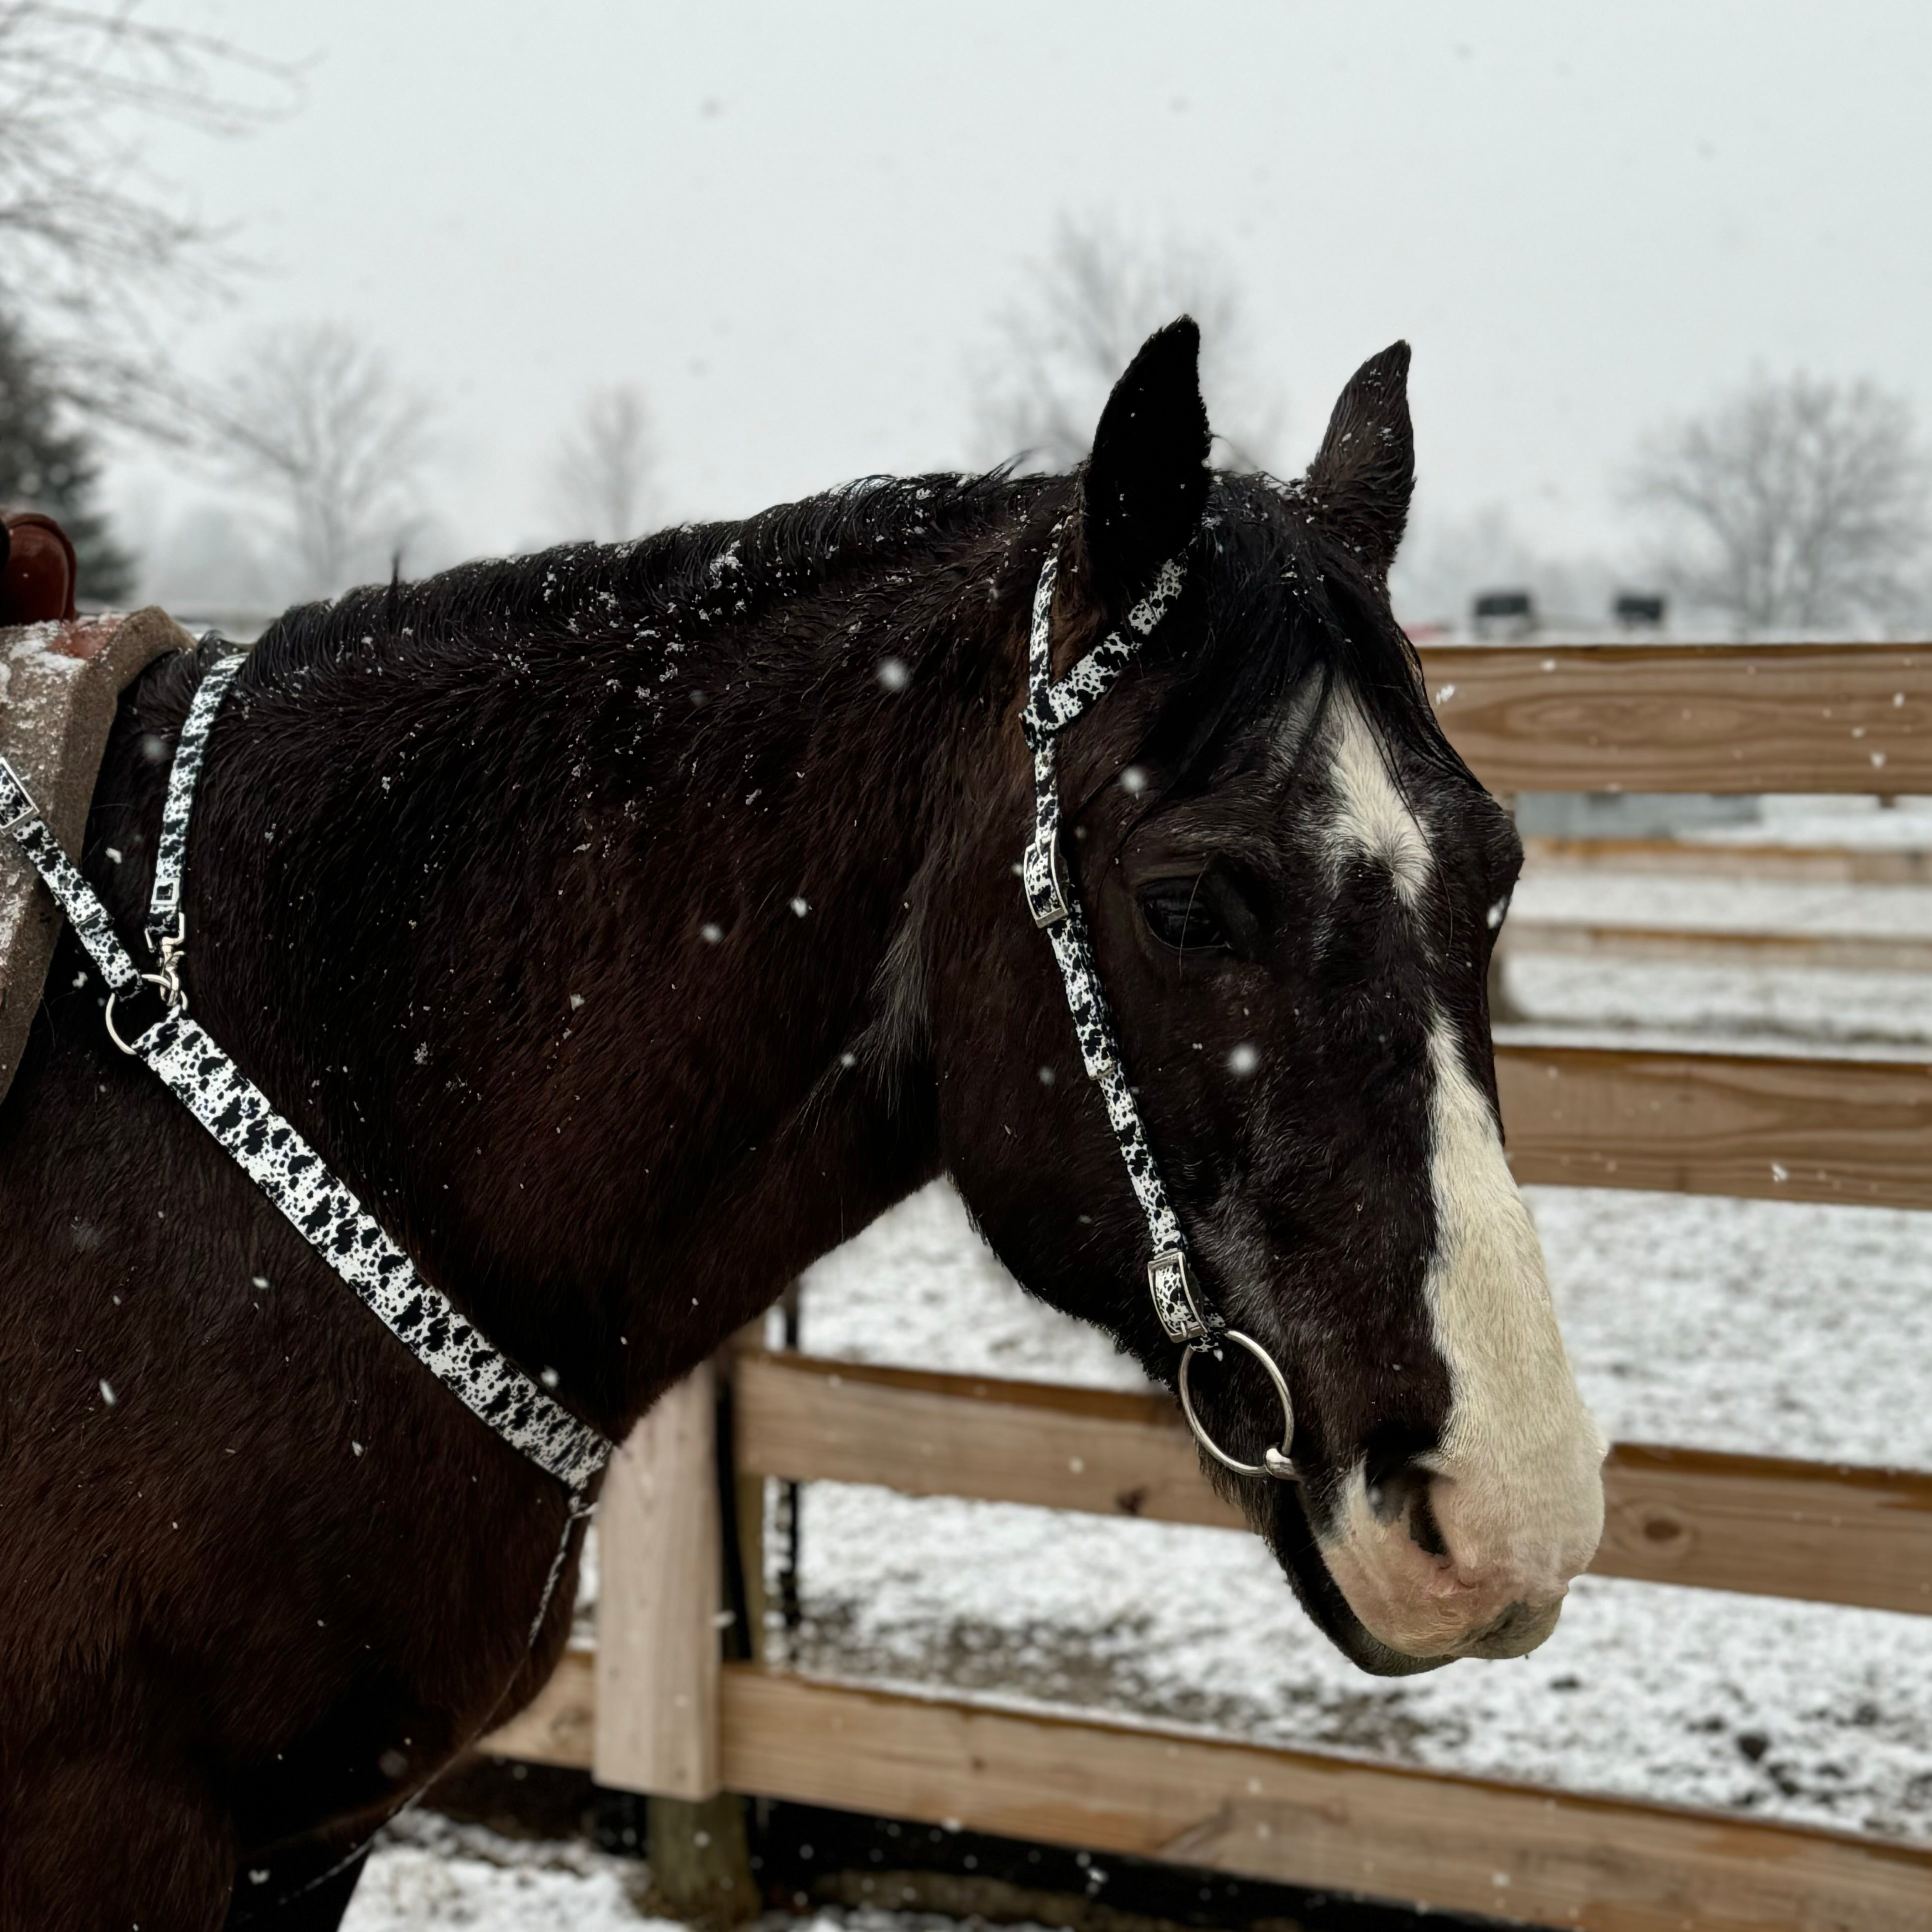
(1839, 951)
(1711, 718)
(1815, 1532)
(925, 1433)
(1827, 1532)
(660, 1551)
(1767, 1127)
(1452, 1843)
(1817, 865)
(560, 1726)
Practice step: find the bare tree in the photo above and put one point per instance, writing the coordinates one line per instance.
(603, 465)
(89, 238)
(1098, 296)
(1793, 504)
(315, 415)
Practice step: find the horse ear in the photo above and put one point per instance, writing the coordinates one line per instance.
(1364, 473)
(1147, 481)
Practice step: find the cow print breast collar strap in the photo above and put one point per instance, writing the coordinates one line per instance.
(270, 1151)
(1186, 1314)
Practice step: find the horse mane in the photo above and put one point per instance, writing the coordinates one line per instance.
(703, 576)
(1285, 600)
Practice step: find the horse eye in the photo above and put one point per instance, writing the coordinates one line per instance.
(1183, 914)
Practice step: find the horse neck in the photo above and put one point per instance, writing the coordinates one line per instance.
(615, 1024)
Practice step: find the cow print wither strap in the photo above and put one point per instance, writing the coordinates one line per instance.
(1186, 1313)
(270, 1151)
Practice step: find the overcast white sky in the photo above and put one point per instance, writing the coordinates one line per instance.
(791, 225)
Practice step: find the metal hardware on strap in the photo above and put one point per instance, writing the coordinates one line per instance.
(1277, 1462)
(15, 799)
(1045, 884)
(1176, 1300)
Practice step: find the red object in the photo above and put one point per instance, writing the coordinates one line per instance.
(37, 571)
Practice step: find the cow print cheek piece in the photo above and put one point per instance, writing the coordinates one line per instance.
(1186, 1313)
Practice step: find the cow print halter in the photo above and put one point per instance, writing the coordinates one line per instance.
(1187, 1314)
(270, 1151)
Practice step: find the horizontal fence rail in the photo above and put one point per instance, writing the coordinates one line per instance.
(1716, 718)
(1767, 1127)
(1759, 1524)
(1708, 946)
(1691, 858)
(1452, 1842)
(1440, 1839)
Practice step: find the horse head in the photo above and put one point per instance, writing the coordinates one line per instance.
(1293, 886)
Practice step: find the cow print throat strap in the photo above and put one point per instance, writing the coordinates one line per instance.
(270, 1151)
(1186, 1313)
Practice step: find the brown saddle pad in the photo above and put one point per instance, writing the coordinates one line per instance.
(59, 683)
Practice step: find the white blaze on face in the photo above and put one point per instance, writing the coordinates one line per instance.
(1517, 1490)
(1517, 1494)
(1372, 819)
(1520, 1489)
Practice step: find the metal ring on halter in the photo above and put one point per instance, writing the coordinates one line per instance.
(150, 979)
(1274, 1462)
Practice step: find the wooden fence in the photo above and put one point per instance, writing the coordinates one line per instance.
(652, 1709)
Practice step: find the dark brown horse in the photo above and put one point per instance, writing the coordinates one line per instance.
(627, 926)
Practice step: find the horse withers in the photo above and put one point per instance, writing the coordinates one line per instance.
(626, 925)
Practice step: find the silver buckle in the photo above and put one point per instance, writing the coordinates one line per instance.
(1177, 1301)
(1045, 883)
(1275, 1463)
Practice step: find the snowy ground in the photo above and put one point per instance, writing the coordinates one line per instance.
(428, 1873)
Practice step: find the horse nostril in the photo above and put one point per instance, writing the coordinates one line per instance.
(1424, 1531)
(1402, 1494)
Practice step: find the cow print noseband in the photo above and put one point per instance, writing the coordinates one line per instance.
(1187, 1315)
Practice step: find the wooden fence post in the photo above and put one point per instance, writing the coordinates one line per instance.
(659, 1617)
(657, 1599)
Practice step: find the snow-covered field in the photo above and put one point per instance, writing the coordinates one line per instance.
(429, 1873)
